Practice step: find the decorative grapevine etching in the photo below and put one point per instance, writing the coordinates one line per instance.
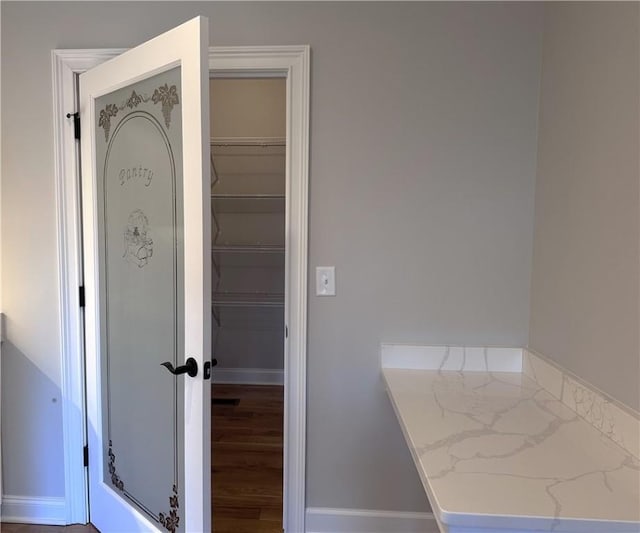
(164, 95)
(138, 245)
(135, 100)
(105, 119)
(168, 97)
(115, 479)
(172, 520)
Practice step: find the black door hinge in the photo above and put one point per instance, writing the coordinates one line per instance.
(81, 295)
(76, 124)
(85, 455)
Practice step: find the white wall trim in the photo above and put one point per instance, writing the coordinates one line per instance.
(248, 376)
(23, 510)
(327, 520)
(291, 62)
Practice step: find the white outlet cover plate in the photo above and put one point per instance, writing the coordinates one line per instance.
(326, 281)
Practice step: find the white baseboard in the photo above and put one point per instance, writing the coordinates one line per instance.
(248, 376)
(25, 510)
(326, 520)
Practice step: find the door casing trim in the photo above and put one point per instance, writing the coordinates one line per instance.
(291, 62)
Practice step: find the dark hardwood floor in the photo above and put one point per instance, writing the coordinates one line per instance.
(31, 528)
(246, 445)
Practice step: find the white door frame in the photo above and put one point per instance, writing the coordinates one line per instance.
(291, 62)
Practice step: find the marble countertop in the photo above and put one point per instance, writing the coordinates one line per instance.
(496, 452)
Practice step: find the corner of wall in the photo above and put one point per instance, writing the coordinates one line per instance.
(535, 186)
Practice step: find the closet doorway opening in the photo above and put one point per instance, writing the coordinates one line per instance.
(248, 199)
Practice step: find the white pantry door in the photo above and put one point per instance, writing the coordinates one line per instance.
(145, 179)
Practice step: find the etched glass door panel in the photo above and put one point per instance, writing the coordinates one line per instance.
(147, 265)
(140, 211)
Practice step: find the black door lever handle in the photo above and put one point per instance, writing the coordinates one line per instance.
(190, 368)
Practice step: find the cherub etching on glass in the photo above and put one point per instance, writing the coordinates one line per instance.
(138, 245)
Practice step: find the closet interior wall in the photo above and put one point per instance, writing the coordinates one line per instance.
(248, 147)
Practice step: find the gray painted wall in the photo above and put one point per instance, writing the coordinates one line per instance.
(423, 154)
(586, 268)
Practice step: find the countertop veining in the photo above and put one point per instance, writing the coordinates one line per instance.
(496, 452)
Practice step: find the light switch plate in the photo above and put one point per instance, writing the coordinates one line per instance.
(326, 281)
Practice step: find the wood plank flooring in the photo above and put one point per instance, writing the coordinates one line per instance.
(31, 528)
(246, 445)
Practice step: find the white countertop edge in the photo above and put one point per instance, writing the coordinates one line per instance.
(504, 523)
(433, 501)
(492, 529)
